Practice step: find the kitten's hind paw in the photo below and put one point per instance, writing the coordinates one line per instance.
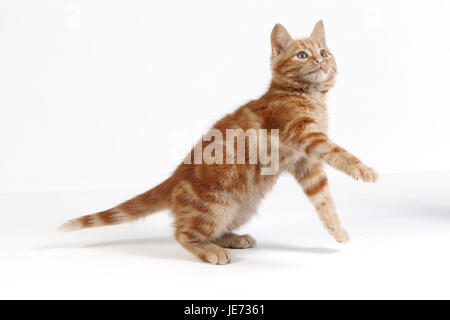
(234, 241)
(247, 241)
(216, 256)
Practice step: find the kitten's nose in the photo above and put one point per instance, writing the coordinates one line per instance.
(320, 60)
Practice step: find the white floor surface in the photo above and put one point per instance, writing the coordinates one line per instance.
(399, 228)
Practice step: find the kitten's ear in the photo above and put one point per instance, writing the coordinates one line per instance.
(318, 33)
(280, 39)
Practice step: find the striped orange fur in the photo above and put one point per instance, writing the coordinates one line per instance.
(209, 201)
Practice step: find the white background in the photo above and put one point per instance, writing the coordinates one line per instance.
(100, 100)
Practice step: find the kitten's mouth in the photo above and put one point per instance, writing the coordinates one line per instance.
(318, 69)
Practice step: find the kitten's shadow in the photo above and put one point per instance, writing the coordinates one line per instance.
(167, 248)
(423, 210)
(283, 247)
(160, 248)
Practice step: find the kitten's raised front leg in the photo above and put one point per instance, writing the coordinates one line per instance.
(235, 241)
(313, 180)
(318, 146)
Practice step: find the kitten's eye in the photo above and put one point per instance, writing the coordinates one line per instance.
(323, 53)
(302, 55)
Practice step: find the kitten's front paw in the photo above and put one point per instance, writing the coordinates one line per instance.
(361, 171)
(341, 236)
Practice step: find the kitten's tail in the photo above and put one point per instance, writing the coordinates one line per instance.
(140, 206)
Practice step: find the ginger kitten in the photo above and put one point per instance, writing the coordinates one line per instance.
(210, 200)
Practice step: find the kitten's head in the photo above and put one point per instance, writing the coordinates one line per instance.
(300, 61)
